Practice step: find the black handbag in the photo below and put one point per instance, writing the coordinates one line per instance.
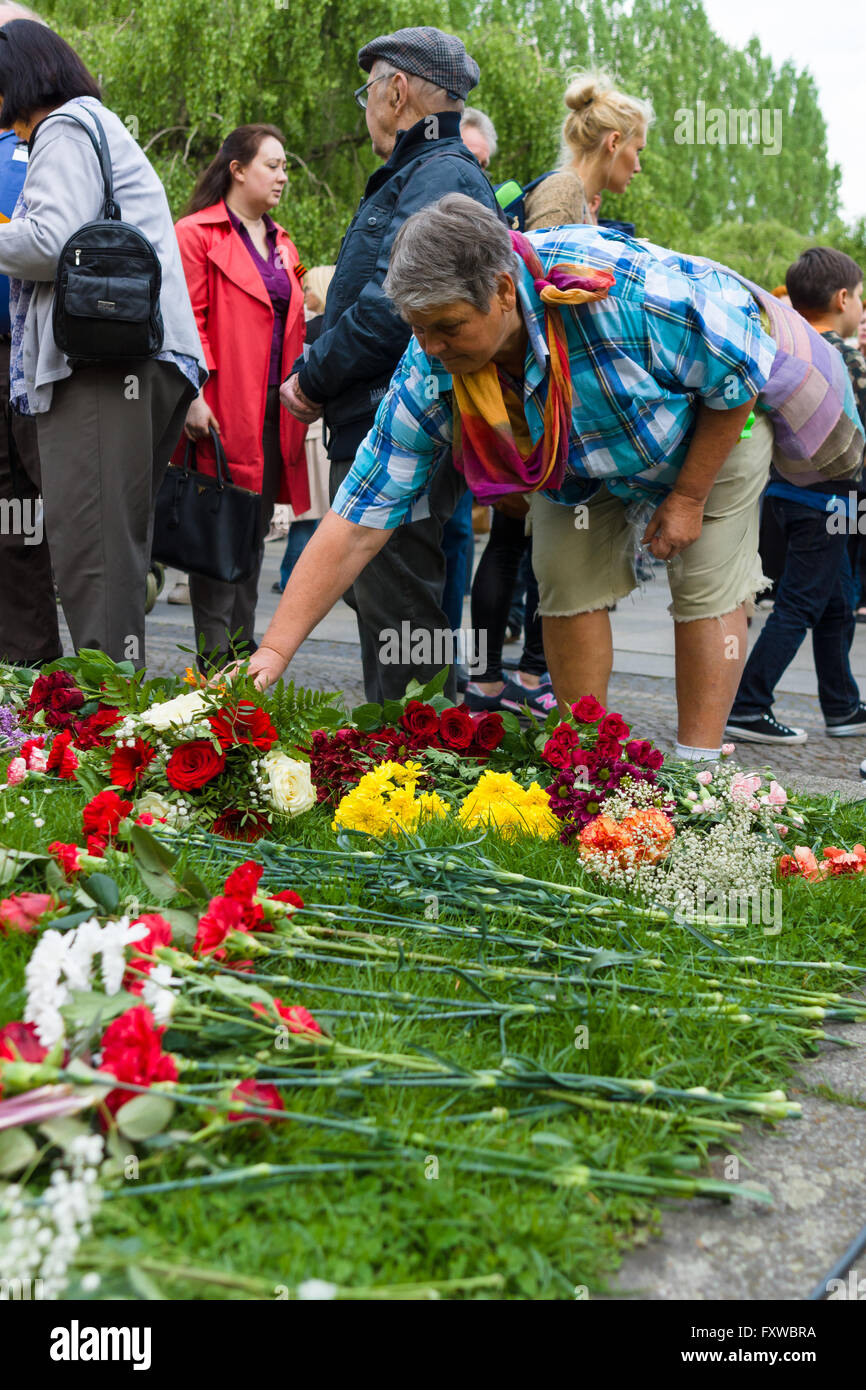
(106, 291)
(206, 525)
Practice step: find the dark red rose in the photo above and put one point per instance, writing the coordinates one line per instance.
(58, 696)
(641, 751)
(128, 765)
(489, 730)
(254, 1093)
(193, 764)
(587, 710)
(101, 817)
(562, 744)
(456, 728)
(132, 1052)
(244, 723)
(607, 747)
(91, 732)
(241, 825)
(418, 718)
(614, 726)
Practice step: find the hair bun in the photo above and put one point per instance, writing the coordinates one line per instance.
(583, 89)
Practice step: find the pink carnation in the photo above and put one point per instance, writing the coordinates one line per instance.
(16, 772)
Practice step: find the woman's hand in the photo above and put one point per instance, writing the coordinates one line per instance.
(674, 525)
(200, 419)
(266, 666)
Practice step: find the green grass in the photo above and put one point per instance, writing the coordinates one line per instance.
(361, 1229)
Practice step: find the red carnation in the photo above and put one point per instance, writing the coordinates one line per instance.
(28, 747)
(265, 1097)
(419, 719)
(456, 728)
(288, 895)
(223, 915)
(19, 1043)
(62, 758)
(22, 911)
(158, 934)
(489, 730)
(132, 1052)
(66, 856)
(587, 710)
(91, 732)
(245, 723)
(243, 881)
(613, 726)
(128, 765)
(241, 825)
(298, 1019)
(193, 764)
(101, 817)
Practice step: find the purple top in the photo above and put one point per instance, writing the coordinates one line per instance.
(275, 279)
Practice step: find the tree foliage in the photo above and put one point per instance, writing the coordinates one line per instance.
(184, 74)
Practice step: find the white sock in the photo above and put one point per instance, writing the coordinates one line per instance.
(685, 754)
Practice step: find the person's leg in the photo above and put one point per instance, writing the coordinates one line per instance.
(29, 633)
(102, 449)
(457, 546)
(403, 630)
(811, 574)
(710, 655)
(299, 534)
(225, 614)
(582, 561)
(492, 588)
(832, 635)
(533, 664)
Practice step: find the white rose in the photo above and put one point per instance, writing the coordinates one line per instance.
(156, 805)
(183, 709)
(290, 786)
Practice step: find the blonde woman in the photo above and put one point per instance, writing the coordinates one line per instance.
(602, 137)
(301, 528)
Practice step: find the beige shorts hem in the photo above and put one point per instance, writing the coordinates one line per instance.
(597, 606)
(749, 595)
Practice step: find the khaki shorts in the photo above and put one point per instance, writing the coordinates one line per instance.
(584, 558)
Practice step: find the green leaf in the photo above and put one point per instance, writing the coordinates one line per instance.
(87, 1007)
(103, 890)
(184, 925)
(63, 1130)
(13, 861)
(236, 988)
(143, 1116)
(143, 1285)
(367, 717)
(555, 1141)
(436, 685)
(510, 723)
(17, 1150)
(392, 711)
(150, 851)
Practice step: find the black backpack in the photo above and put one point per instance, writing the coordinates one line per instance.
(106, 292)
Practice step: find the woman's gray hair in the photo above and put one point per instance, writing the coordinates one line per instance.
(453, 249)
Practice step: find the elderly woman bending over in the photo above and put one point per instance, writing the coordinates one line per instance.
(612, 381)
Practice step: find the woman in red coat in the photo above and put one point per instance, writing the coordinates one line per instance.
(243, 276)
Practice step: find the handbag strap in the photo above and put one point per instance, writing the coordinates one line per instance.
(110, 209)
(190, 460)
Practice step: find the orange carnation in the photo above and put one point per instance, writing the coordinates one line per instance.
(641, 836)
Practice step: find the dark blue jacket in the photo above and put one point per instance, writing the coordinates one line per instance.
(13, 171)
(363, 338)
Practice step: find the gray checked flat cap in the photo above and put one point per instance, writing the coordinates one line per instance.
(426, 52)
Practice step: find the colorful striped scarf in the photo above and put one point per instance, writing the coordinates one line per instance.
(492, 458)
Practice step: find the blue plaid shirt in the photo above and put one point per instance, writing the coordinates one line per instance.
(672, 330)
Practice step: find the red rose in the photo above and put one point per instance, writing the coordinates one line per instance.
(587, 710)
(19, 1043)
(563, 742)
(456, 728)
(265, 1097)
(193, 764)
(102, 815)
(614, 727)
(241, 825)
(90, 732)
(128, 765)
(22, 911)
(245, 723)
(58, 696)
(288, 895)
(223, 915)
(419, 719)
(243, 881)
(66, 856)
(132, 1052)
(489, 730)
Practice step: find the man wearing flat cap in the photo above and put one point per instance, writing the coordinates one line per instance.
(418, 82)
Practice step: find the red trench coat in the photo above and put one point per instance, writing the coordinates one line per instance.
(235, 319)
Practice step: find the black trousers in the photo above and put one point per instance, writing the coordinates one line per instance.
(398, 596)
(28, 609)
(492, 591)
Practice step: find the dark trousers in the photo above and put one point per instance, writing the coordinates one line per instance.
(225, 614)
(399, 595)
(458, 545)
(815, 591)
(28, 608)
(492, 591)
(104, 447)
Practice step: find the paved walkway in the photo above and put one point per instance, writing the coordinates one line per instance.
(642, 688)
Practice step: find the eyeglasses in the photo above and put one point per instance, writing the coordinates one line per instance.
(361, 94)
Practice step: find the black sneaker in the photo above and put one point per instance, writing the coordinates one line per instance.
(766, 729)
(855, 725)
